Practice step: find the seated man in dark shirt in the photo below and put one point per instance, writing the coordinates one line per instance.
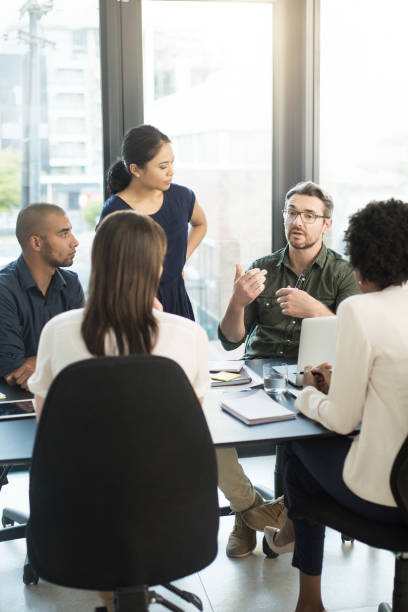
(34, 288)
(269, 301)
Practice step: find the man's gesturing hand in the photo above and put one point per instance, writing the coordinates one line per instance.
(298, 303)
(247, 286)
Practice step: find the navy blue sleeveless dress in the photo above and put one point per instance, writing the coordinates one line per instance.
(174, 216)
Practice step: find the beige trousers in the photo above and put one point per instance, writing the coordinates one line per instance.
(232, 480)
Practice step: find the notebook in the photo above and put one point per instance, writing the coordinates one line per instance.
(317, 344)
(236, 378)
(254, 407)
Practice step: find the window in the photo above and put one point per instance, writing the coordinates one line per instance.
(36, 164)
(208, 86)
(68, 149)
(69, 100)
(69, 75)
(70, 124)
(363, 93)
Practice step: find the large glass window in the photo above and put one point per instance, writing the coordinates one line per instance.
(363, 94)
(50, 116)
(208, 85)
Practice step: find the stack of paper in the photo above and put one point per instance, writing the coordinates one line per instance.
(225, 373)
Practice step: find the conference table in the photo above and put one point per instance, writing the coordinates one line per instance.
(226, 430)
(17, 435)
(16, 447)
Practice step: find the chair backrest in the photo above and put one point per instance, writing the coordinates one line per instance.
(399, 478)
(123, 485)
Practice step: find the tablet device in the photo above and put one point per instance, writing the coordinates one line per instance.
(16, 410)
(13, 393)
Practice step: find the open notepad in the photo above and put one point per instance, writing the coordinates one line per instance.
(254, 406)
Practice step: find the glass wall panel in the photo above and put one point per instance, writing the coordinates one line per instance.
(208, 86)
(50, 116)
(363, 94)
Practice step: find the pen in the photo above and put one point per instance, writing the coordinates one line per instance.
(299, 281)
(314, 373)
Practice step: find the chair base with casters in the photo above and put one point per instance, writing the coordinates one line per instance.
(138, 599)
(324, 509)
(12, 532)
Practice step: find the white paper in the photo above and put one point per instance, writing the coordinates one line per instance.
(226, 366)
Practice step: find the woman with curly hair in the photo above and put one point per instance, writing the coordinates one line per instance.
(368, 387)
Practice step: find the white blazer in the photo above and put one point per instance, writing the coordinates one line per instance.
(369, 386)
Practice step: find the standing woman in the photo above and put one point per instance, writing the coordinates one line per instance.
(142, 181)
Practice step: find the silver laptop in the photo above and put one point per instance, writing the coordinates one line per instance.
(317, 345)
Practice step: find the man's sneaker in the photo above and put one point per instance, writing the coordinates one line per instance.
(242, 539)
(271, 514)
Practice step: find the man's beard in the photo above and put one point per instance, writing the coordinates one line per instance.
(301, 247)
(51, 261)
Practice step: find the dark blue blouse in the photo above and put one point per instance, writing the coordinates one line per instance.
(174, 216)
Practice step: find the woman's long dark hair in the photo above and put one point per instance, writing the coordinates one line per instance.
(127, 256)
(139, 146)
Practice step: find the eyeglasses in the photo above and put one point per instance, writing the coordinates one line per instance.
(307, 217)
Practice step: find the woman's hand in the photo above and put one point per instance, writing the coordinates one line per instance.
(318, 377)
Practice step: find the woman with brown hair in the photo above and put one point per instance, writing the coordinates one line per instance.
(121, 315)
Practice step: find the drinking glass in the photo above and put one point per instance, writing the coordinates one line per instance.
(275, 378)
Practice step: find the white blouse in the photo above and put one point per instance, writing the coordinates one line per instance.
(61, 343)
(369, 386)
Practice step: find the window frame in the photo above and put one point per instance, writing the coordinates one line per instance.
(295, 90)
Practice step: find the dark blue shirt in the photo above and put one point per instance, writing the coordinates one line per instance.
(24, 310)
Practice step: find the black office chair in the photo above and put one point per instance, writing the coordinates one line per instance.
(123, 486)
(324, 509)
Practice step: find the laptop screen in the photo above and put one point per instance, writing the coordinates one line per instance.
(317, 345)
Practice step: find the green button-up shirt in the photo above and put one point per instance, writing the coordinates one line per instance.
(329, 279)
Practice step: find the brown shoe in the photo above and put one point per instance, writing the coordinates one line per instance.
(242, 539)
(271, 514)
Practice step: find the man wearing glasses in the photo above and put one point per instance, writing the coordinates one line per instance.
(268, 303)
